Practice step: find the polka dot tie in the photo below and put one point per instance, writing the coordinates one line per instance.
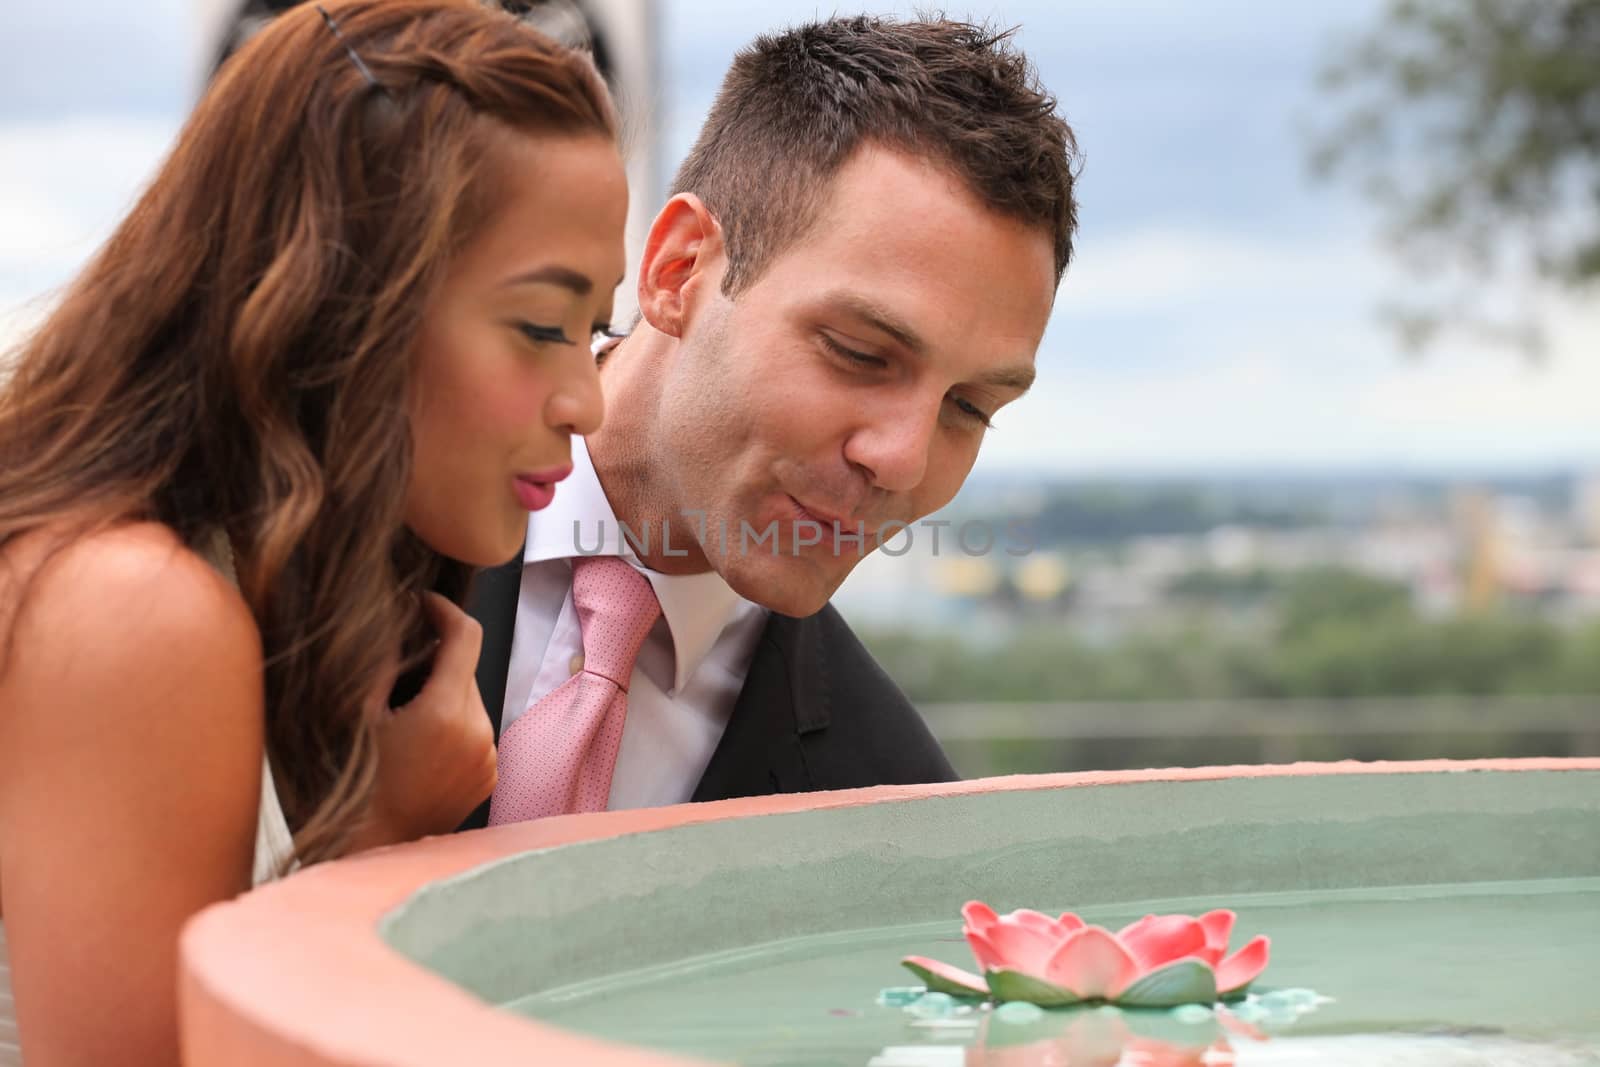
(558, 756)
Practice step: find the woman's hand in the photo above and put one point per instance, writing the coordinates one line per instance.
(436, 755)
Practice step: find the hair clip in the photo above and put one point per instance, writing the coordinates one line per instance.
(366, 71)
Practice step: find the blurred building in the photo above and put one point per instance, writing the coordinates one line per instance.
(1587, 507)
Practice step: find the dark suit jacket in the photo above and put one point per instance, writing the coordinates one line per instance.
(816, 711)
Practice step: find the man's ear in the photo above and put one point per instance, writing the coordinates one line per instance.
(682, 254)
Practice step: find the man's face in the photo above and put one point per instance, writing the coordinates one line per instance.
(852, 380)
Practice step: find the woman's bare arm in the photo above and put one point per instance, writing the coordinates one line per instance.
(130, 758)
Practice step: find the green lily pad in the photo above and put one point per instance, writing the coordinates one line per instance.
(939, 984)
(1185, 982)
(1014, 985)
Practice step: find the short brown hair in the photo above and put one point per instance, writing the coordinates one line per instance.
(795, 106)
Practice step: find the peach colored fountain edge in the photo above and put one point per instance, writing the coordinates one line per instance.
(251, 997)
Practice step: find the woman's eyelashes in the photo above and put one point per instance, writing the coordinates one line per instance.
(600, 333)
(545, 334)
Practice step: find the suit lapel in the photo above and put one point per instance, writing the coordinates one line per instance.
(784, 697)
(494, 604)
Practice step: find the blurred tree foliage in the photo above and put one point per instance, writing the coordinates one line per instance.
(1475, 126)
(1335, 634)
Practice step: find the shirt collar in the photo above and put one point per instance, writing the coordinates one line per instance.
(580, 521)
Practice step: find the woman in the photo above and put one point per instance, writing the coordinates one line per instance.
(328, 363)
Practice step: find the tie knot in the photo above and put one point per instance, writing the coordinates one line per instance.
(616, 609)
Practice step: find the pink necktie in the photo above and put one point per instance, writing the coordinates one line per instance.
(558, 756)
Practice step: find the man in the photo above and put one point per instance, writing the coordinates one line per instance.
(851, 278)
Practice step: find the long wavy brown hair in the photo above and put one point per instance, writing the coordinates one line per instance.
(237, 359)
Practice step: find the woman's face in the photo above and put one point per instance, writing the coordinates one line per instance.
(504, 374)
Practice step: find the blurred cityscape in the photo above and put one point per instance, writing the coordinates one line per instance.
(1244, 619)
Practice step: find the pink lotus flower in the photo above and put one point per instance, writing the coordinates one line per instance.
(1157, 962)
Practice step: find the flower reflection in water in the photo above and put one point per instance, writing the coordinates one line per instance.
(1087, 1037)
(1102, 1038)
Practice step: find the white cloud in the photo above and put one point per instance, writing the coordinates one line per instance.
(1277, 362)
(96, 55)
(1163, 269)
(65, 186)
(17, 321)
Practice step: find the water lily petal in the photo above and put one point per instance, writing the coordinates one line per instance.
(1069, 922)
(978, 915)
(988, 957)
(1218, 925)
(1092, 963)
(980, 918)
(1157, 940)
(1037, 920)
(1244, 966)
(1016, 947)
(1011, 985)
(1188, 981)
(941, 977)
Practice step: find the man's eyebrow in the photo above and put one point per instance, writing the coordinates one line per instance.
(879, 318)
(1018, 378)
(554, 274)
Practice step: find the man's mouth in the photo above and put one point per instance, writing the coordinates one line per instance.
(829, 520)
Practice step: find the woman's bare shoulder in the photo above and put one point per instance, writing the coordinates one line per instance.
(131, 739)
(142, 566)
(124, 601)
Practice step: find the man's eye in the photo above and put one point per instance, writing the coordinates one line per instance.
(971, 410)
(851, 354)
(544, 334)
(602, 339)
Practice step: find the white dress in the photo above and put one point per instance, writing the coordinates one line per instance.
(274, 845)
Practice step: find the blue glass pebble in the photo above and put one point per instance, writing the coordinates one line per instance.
(1280, 1016)
(1019, 1012)
(932, 1006)
(898, 996)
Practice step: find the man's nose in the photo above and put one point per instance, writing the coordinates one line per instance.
(893, 447)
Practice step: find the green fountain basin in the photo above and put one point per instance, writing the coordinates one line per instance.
(1444, 916)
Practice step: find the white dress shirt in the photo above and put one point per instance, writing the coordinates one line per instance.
(689, 672)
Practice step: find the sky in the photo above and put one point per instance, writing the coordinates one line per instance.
(1219, 313)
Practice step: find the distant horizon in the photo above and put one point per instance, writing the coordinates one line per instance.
(1330, 470)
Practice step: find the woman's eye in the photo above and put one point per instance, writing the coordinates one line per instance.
(545, 334)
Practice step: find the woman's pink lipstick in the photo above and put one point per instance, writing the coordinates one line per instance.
(535, 490)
